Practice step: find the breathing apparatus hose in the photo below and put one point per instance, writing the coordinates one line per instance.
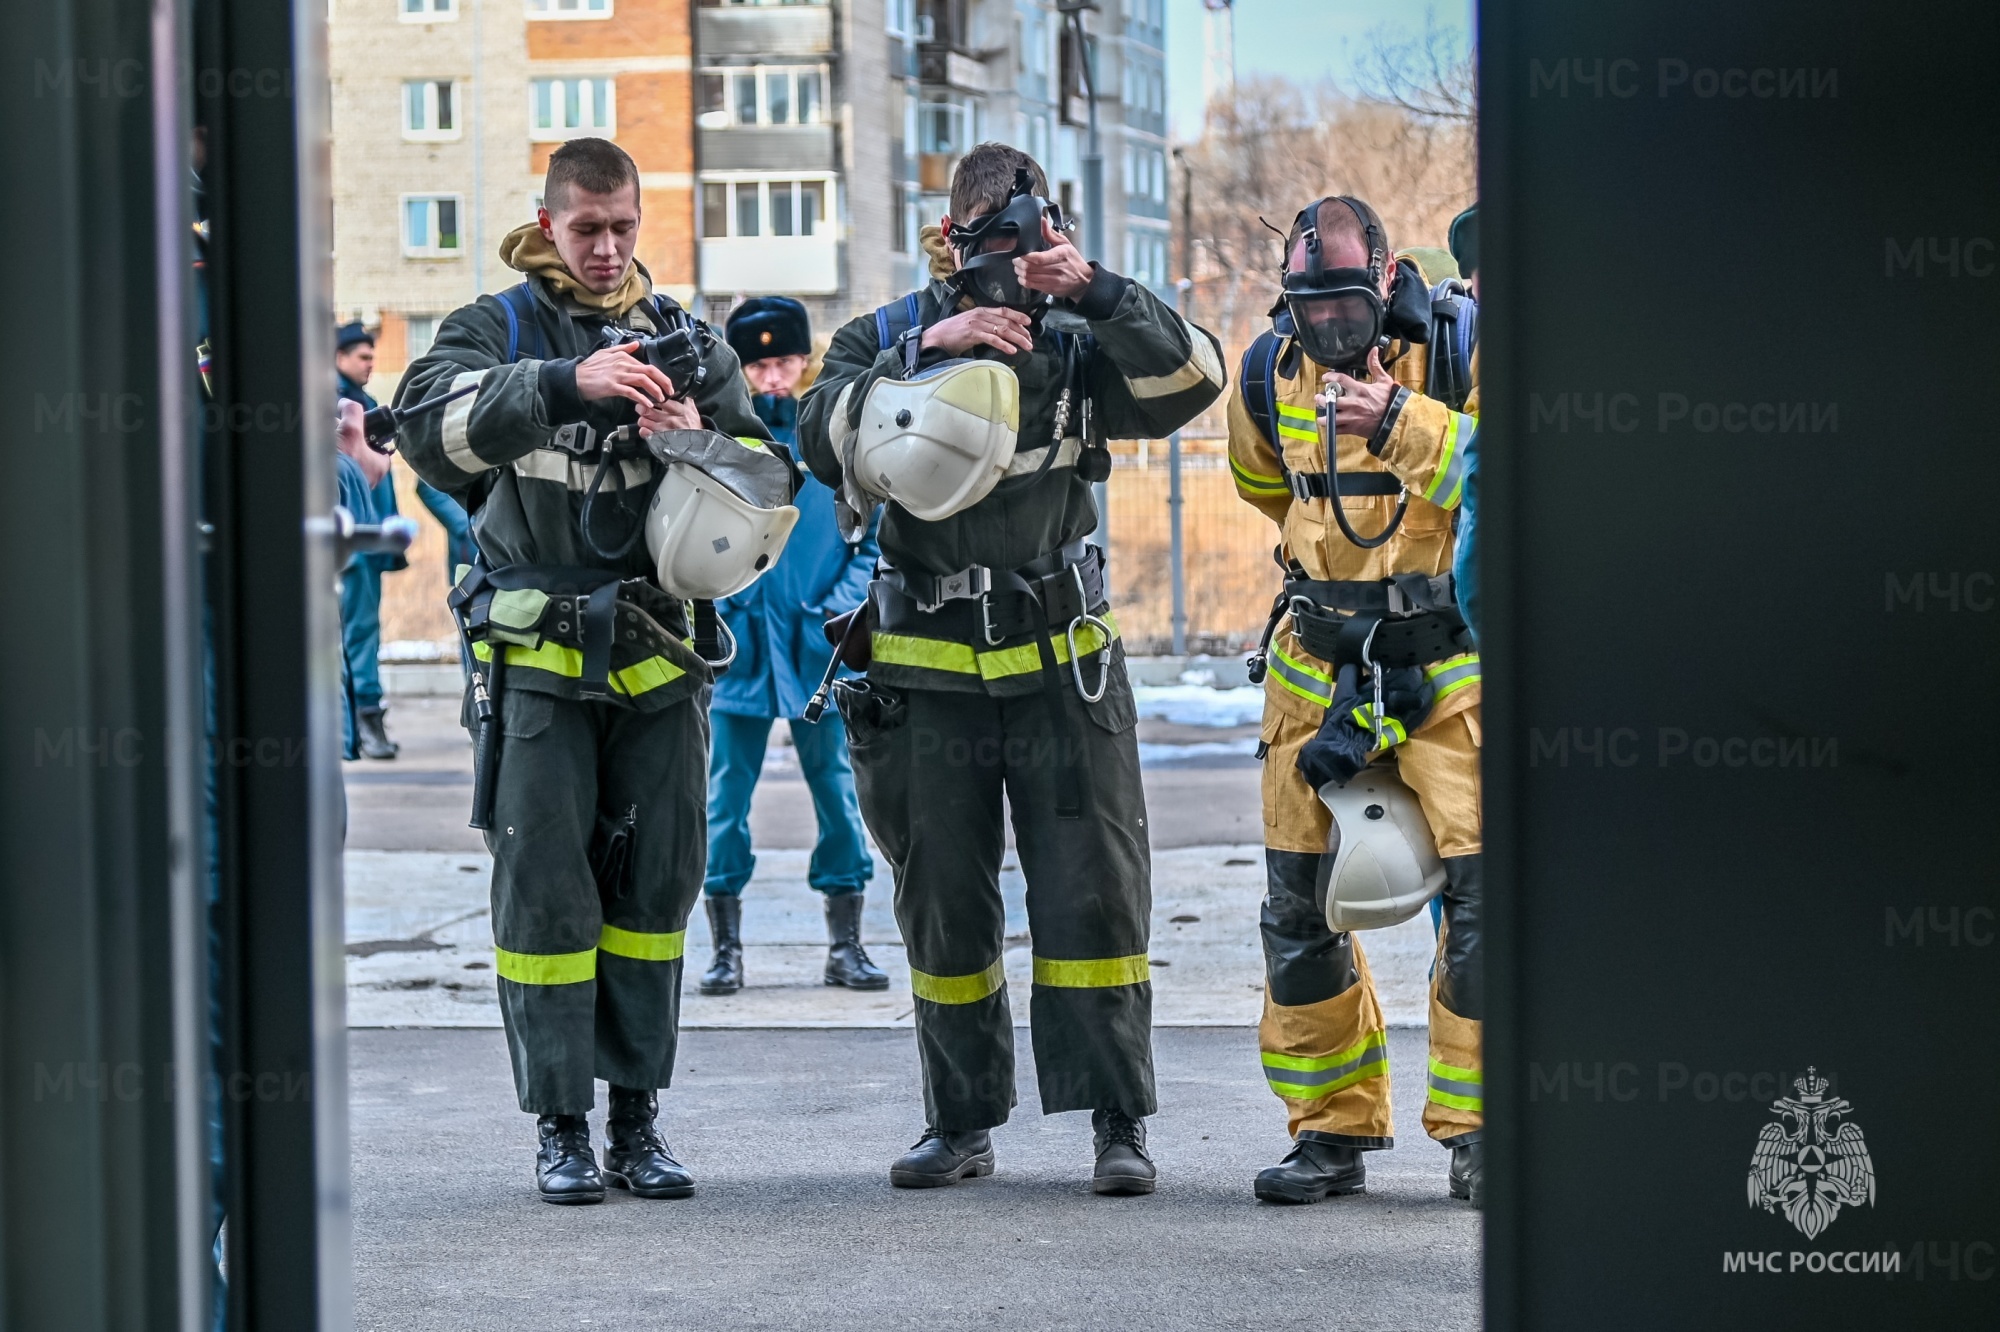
(610, 462)
(1333, 496)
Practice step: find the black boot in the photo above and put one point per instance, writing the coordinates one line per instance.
(725, 922)
(635, 1156)
(374, 742)
(846, 961)
(565, 1167)
(1468, 1173)
(1123, 1168)
(943, 1158)
(1313, 1169)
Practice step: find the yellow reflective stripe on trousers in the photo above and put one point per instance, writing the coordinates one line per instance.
(545, 968)
(1092, 973)
(1452, 674)
(943, 654)
(1448, 484)
(1458, 1088)
(557, 659)
(1306, 1077)
(958, 989)
(1308, 682)
(1257, 482)
(641, 946)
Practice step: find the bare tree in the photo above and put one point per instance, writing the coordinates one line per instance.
(1431, 77)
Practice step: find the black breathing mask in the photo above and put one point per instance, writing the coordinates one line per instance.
(988, 248)
(1339, 314)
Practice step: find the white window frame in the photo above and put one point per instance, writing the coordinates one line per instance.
(449, 14)
(762, 73)
(432, 250)
(545, 11)
(457, 131)
(899, 18)
(411, 350)
(828, 181)
(607, 130)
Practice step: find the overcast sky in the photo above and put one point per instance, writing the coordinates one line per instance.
(1302, 39)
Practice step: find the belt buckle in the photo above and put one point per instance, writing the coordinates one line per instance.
(972, 581)
(577, 439)
(1299, 484)
(1398, 603)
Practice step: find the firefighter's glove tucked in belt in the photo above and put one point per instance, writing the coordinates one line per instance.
(1364, 720)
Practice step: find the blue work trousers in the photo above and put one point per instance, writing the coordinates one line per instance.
(361, 631)
(840, 860)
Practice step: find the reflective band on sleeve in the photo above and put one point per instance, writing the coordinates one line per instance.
(1301, 423)
(640, 946)
(1256, 482)
(1201, 367)
(545, 968)
(1452, 674)
(1458, 1088)
(1092, 973)
(1448, 485)
(958, 989)
(1032, 460)
(1304, 1078)
(1308, 682)
(457, 423)
(632, 681)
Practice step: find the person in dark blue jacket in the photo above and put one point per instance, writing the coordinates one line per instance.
(1465, 560)
(781, 652)
(361, 582)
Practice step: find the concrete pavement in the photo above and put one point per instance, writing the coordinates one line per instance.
(794, 1225)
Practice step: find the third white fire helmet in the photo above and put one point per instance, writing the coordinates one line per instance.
(721, 514)
(938, 442)
(1382, 865)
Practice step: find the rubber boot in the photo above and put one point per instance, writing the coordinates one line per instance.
(725, 923)
(846, 961)
(1123, 1168)
(636, 1157)
(940, 1158)
(370, 737)
(565, 1167)
(1313, 1169)
(1468, 1173)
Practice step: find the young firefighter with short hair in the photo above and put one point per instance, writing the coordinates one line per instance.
(596, 818)
(1369, 663)
(977, 408)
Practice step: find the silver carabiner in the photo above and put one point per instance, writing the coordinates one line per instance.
(1076, 663)
(1375, 677)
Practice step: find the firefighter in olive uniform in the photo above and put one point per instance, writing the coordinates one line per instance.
(1352, 308)
(996, 667)
(596, 822)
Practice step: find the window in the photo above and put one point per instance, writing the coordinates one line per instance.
(760, 95)
(950, 124)
(1146, 257)
(430, 226)
(427, 11)
(565, 108)
(764, 208)
(430, 110)
(901, 17)
(420, 331)
(568, 9)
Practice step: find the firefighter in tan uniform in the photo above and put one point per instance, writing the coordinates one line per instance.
(1367, 663)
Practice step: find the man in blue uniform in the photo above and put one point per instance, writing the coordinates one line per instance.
(781, 652)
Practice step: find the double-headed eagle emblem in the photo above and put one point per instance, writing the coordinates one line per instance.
(1811, 1162)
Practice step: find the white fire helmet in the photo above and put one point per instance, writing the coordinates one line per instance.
(1382, 865)
(721, 514)
(938, 442)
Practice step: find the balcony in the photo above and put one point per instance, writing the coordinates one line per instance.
(788, 265)
(764, 30)
(768, 148)
(941, 66)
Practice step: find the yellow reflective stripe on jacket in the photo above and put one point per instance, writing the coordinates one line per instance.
(556, 659)
(1458, 1088)
(1308, 682)
(1306, 1077)
(1092, 973)
(545, 968)
(959, 989)
(641, 946)
(944, 654)
(1453, 674)
(1304, 423)
(1448, 484)
(1257, 482)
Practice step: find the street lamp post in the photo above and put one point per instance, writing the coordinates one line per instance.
(1093, 199)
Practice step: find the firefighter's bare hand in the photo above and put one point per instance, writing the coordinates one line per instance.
(996, 326)
(615, 372)
(1362, 403)
(669, 415)
(1058, 270)
(352, 442)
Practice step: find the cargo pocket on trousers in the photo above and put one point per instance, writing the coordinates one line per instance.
(525, 713)
(1116, 712)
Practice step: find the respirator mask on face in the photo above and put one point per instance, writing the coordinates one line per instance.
(1339, 314)
(988, 247)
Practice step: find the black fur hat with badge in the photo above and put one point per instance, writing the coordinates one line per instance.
(767, 326)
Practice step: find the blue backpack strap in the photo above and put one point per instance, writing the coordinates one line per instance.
(894, 319)
(519, 304)
(1259, 377)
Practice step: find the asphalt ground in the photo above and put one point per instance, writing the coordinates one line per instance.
(794, 1225)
